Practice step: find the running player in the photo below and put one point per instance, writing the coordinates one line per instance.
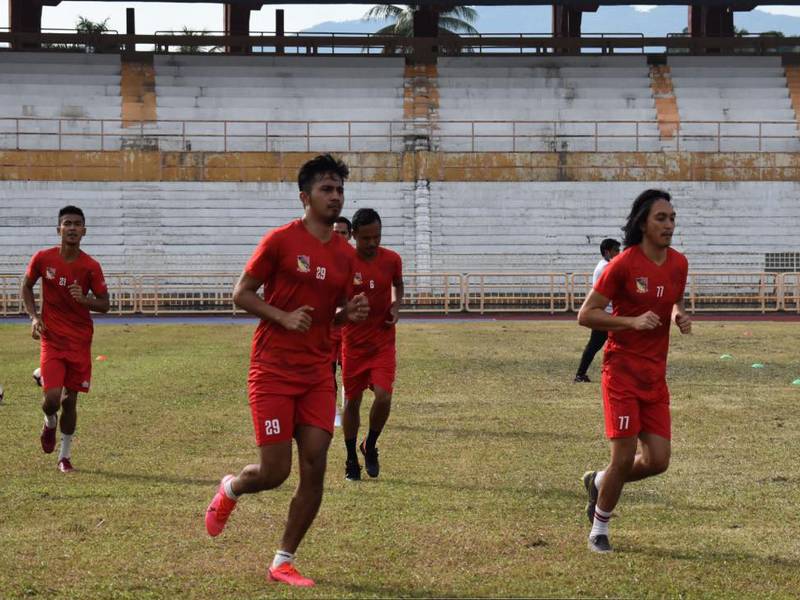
(369, 359)
(645, 284)
(609, 248)
(72, 286)
(343, 227)
(306, 272)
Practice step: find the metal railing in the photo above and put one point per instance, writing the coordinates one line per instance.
(442, 293)
(35, 133)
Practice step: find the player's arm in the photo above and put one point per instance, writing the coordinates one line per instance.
(245, 296)
(594, 316)
(681, 318)
(29, 302)
(97, 303)
(398, 289)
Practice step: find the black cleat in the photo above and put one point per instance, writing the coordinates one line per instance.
(371, 463)
(591, 489)
(581, 379)
(352, 470)
(599, 544)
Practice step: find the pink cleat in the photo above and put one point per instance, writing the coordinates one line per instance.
(48, 439)
(65, 466)
(219, 510)
(286, 573)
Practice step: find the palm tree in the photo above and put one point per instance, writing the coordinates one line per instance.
(85, 25)
(452, 21)
(192, 48)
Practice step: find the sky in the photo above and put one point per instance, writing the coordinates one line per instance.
(165, 16)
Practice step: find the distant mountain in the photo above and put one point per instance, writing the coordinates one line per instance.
(608, 19)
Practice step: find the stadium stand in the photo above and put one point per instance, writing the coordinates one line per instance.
(55, 93)
(551, 91)
(288, 91)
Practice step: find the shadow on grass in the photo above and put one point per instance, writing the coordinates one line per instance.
(550, 493)
(711, 555)
(151, 477)
(482, 433)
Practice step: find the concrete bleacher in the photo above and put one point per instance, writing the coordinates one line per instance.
(744, 94)
(42, 88)
(175, 227)
(550, 89)
(557, 227)
(347, 92)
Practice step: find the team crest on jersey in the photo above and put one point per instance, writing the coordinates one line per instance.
(50, 273)
(641, 285)
(303, 263)
(357, 279)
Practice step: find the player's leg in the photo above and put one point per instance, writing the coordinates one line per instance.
(273, 422)
(653, 457)
(351, 421)
(68, 422)
(597, 340)
(378, 415)
(313, 433)
(53, 371)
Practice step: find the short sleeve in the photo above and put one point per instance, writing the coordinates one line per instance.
(683, 276)
(34, 270)
(265, 259)
(97, 281)
(611, 280)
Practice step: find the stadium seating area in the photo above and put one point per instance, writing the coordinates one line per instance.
(542, 95)
(289, 91)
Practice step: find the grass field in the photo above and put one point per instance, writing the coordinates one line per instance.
(479, 493)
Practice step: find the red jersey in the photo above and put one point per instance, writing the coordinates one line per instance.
(374, 278)
(635, 284)
(68, 324)
(297, 269)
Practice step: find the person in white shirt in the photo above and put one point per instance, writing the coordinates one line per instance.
(609, 248)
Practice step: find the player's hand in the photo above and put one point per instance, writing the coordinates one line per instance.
(298, 320)
(357, 308)
(37, 327)
(684, 322)
(394, 314)
(77, 293)
(647, 321)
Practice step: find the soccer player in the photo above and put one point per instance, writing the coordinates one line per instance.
(72, 286)
(306, 272)
(369, 359)
(343, 227)
(645, 284)
(609, 248)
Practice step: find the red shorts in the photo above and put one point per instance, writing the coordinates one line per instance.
(631, 408)
(280, 406)
(377, 370)
(66, 369)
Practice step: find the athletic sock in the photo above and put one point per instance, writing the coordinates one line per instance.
(600, 525)
(372, 439)
(282, 557)
(227, 487)
(66, 445)
(351, 449)
(598, 479)
(50, 421)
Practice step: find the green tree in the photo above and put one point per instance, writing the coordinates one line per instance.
(193, 48)
(85, 25)
(452, 21)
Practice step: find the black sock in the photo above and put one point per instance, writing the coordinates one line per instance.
(372, 438)
(351, 449)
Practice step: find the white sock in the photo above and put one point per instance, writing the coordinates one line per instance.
(282, 557)
(229, 489)
(50, 421)
(600, 525)
(598, 479)
(66, 444)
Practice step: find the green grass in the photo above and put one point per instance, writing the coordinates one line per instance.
(479, 493)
